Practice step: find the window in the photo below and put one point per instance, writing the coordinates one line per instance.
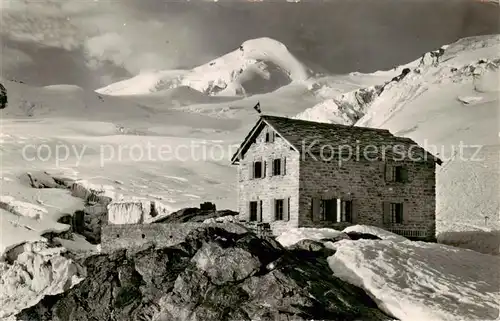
(328, 210)
(270, 136)
(397, 174)
(278, 209)
(346, 211)
(277, 167)
(257, 170)
(400, 174)
(253, 211)
(397, 213)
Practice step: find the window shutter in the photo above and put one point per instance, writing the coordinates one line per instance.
(286, 209)
(406, 212)
(336, 213)
(388, 173)
(386, 208)
(354, 211)
(252, 170)
(273, 209)
(271, 135)
(315, 209)
(259, 211)
(264, 168)
(283, 166)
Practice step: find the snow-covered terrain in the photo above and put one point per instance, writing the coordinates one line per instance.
(422, 281)
(167, 136)
(414, 281)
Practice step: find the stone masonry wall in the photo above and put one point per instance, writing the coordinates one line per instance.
(270, 187)
(364, 182)
(119, 236)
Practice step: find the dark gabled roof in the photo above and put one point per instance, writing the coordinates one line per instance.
(316, 138)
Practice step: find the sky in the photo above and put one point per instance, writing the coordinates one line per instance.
(92, 43)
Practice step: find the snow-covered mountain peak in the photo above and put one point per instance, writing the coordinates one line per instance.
(459, 62)
(258, 66)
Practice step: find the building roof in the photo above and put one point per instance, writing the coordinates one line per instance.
(308, 137)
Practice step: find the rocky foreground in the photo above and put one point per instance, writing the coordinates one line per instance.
(213, 275)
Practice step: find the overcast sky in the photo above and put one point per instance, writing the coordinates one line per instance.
(92, 43)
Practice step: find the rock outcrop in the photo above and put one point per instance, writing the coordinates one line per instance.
(194, 214)
(212, 275)
(3, 97)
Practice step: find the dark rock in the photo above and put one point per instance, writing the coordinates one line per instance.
(193, 214)
(365, 236)
(308, 245)
(208, 206)
(66, 235)
(339, 237)
(78, 222)
(3, 97)
(311, 249)
(87, 222)
(213, 275)
(404, 72)
(43, 180)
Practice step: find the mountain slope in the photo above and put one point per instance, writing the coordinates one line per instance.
(397, 86)
(257, 66)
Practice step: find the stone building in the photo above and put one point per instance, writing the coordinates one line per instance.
(295, 173)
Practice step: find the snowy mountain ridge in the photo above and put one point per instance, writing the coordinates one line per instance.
(456, 62)
(257, 66)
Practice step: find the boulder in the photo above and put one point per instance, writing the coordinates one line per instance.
(363, 236)
(212, 275)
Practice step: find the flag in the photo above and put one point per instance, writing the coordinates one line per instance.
(257, 107)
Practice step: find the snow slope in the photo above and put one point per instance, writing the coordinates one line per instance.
(257, 66)
(413, 281)
(145, 82)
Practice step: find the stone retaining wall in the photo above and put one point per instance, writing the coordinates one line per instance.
(119, 236)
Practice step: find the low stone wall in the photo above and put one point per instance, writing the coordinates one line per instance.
(119, 236)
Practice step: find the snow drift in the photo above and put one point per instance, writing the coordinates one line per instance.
(412, 281)
(415, 281)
